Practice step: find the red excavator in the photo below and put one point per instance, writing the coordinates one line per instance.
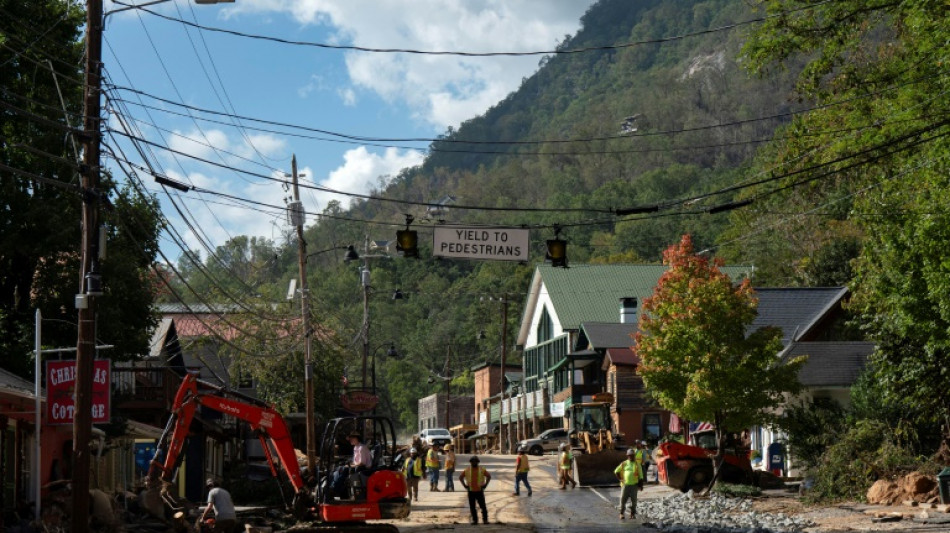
(378, 493)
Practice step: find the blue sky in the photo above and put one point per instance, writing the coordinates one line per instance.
(349, 92)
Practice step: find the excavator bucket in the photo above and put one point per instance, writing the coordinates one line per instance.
(597, 469)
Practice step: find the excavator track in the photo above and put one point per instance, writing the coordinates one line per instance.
(356, 527)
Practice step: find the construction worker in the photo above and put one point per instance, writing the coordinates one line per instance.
(643, 459)
(475, 478)
(414, 470)
(629, 473)
(449, 468)
(521, 471)
(432, 467)
(220, 501)
(565, 464)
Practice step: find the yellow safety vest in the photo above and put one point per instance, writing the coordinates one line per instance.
(479, 474)
(416, 467)
(566, 459)
(523, 464)
(629, 472)
(432, 460)
(640, 455)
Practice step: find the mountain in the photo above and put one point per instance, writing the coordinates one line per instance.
(647, 105)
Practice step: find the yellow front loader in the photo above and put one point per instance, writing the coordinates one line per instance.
(597, 448)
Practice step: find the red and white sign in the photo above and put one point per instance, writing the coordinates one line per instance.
(61, 391)
(358, 401)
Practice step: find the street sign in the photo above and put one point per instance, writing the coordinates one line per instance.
(357, 401)
(498, 244)
(61, 390)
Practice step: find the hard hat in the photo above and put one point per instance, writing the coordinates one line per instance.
(474, 460)
(562, 446)
(448, 446)
(630, 451)
(413, 450)
(522, 449)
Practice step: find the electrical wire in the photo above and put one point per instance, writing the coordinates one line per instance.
(566, 51)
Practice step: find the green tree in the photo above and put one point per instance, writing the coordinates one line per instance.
(698, 357)
(879, 129)
(40, 218)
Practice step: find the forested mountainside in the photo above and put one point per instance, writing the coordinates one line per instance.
(648, 105)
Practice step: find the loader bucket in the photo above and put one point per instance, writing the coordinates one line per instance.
(597, 469)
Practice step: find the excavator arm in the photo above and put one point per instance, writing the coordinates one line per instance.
(266, 422)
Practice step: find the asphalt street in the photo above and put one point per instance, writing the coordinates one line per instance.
(548, 509)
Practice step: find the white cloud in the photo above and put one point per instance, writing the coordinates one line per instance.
(441, 90)
(361, 171)
(348, 96)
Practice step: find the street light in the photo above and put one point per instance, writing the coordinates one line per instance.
(391, 352)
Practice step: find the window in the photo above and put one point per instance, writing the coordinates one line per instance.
(652, 428)
(545, 326)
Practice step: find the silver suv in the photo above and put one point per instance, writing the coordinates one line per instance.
(546, 442)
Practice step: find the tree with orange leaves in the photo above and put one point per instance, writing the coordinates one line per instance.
(699, 357)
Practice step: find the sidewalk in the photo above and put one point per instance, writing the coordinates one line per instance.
(448, 511)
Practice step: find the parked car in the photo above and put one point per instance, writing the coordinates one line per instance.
(440, 436)
(547, 441)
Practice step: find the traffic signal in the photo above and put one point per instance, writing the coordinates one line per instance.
(557, 252)
(407, 242)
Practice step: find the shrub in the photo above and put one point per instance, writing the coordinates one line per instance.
(867, 452)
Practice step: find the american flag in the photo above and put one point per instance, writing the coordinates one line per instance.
(696, 427)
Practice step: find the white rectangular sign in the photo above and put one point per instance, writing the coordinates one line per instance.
(557, 409)
(500, 244)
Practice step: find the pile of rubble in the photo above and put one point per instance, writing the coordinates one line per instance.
(682, 513)
(913, 487)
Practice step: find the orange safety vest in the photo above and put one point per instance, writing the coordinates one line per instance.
(416, 467)
(475, 478)
(522, 464)
(432, 460)
(450, 460)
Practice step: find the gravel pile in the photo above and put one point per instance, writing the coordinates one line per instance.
(682, 513)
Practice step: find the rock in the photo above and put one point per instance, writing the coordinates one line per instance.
(883, 492)
(916, 483)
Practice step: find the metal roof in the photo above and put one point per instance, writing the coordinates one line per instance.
(591, 293)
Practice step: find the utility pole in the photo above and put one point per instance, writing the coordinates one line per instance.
(86, 300)
(502, 428)
(448, 382)
(365, 281)
(298, 220)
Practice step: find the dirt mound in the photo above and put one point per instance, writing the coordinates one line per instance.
(911, 487)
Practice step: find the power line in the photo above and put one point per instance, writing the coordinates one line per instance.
(566, 51)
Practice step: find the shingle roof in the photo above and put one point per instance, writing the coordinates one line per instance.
(622, 356)
(603, 335)
(831, 364)
(795, 310)
(592, 293)
(13, 383)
